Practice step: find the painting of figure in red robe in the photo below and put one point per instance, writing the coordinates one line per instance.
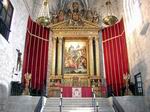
(75, 57)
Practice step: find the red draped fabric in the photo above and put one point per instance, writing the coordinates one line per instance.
(86, 92)
(36, 54)
(115, 56)
(67, 92)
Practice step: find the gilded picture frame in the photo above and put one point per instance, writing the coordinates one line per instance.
(75, 57)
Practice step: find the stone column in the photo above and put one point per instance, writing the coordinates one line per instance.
(54, 56)
(91, 57)
(59, 60)
(49, 70)
(97, 56)
(102, 64)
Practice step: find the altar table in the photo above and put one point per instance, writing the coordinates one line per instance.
(85, 91)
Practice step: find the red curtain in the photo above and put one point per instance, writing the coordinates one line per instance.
(36, 54)
(115, 56)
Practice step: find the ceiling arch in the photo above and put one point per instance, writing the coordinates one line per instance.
(55, 5)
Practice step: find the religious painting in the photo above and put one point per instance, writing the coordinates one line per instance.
(75, 57)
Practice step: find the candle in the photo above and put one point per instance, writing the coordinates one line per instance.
(92, 89)
(61, 95)
(61, 90)
(96, 103)
(94, 95)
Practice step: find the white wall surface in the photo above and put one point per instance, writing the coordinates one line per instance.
(136, 16)
(8, 53)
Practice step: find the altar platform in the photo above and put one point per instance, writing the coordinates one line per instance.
(78, 92)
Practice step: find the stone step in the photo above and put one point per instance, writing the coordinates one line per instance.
(22, 103)
(70, 109)
(77, 105)
(78, 109)
(78, 102)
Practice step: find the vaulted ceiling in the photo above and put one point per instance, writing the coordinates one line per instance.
(55, 5)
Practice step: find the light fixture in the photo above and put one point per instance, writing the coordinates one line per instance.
(5, 3)
(44, 15)
(110, 19)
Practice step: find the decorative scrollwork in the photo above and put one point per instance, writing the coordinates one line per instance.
(75, 16)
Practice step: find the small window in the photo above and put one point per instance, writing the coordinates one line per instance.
(1, 6)
(138, 84)
(8, 20)
(10, 10)
(3, 14)
(5, 18)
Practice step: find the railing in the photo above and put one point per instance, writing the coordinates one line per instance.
(117, 107)
(39, 105)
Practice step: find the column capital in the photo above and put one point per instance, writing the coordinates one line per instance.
(96, 39)
(60, 38)
(54, 38)
(90, 37)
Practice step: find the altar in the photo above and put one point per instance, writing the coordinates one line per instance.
(75, 55)
(77, 92)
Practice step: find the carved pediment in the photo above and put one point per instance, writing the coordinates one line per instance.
(67, 25)
(75, 18)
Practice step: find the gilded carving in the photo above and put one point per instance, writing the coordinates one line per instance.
(76, 26)
(75, 15)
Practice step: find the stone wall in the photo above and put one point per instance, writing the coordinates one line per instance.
(8, 53)
(137, 29)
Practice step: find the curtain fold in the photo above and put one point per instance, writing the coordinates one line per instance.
(115, 56)
(36, 54)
